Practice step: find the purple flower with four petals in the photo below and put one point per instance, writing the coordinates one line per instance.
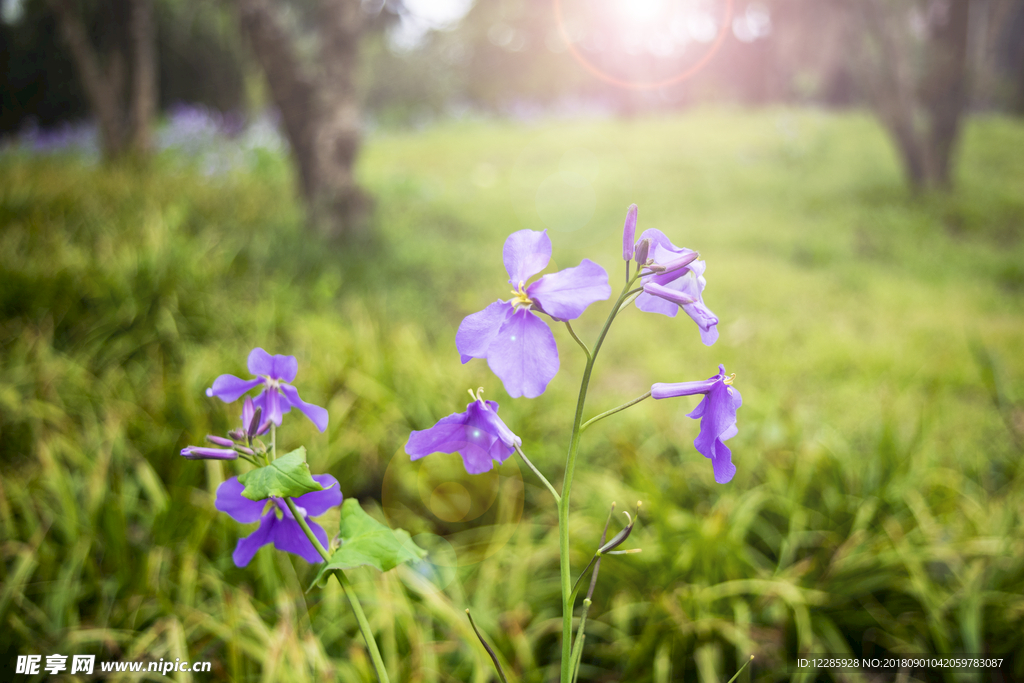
(478, 435)
(278, 397)
(277, 525)
(520, 349)
(676, 281)
(717, 415)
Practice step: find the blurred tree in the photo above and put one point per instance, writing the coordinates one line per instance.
(199, 60)
(125, 54)
(317, 99)
(201, 56)
(913, 64)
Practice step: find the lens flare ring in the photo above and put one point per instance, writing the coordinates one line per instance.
(643, 85)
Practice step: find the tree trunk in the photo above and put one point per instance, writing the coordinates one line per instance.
(102, 87)
(121, 130)
(319, 107)
(945, 90)
(339, 206)
(921, 110)
(144, 87)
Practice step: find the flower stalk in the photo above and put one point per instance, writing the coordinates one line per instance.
(346, 588)
(568, 598)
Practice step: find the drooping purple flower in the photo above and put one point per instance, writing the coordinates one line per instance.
(520, 349)
(675, 280)
(277, 525)
(717, 415)
(477, 434)
(278, 396)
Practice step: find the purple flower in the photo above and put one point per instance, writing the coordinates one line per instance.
(279, 397)
(519, 348)
(277, 525)
(676, 280)
(717, 414)
(478, 435)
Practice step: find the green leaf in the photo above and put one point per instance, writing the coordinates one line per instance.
(287, 476)
(365, 541)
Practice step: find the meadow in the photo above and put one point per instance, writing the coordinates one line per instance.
(878, 505)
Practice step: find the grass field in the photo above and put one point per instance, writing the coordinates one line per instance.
(876, 336)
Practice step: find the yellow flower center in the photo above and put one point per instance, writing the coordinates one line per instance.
(519, 297)
(730, 379)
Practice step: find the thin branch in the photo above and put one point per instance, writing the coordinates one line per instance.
(579, 341)
(537, 472)
(614, 410)
(494, 657)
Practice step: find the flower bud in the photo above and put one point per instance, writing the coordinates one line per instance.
(220, 440)
(675, 296)
(628, 231)
(680, 261)
(642, 248)
(254, 424)
(198, 453)
(237, 434)
(622, 535)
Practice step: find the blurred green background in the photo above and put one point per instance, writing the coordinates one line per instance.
(876, 334)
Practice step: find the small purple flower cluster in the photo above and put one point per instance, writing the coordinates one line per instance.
(278, 525)
(520, 348)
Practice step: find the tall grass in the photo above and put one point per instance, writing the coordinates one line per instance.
(878, 502)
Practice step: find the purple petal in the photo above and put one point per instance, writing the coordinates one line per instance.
(478, 435)
(229, 388)
(655, 304)
(719, 415)
(486, 415)
(566, 294)
(452, 435)
(241, 509)
(721, 462)
(523, 355)
(478, 330)
(706, 321)
(246, 548)
(276, 367)
(316, 503)
(288, 536)
(698, 412)
(526, 253)
(317, 414)
(661, 248)
(271, 403)
(628, 231)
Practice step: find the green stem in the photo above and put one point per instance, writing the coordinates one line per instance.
(579, 341)
(537, 472)
(563, 503)
(346, 587)
(614, 410)
(577, 647)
